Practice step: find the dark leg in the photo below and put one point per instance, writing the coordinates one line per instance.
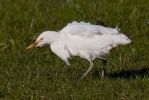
(103, 72)
(104, 63)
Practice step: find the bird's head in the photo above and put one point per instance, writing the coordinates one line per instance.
(47, 37)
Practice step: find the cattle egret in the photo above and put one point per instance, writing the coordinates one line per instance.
(82, 39)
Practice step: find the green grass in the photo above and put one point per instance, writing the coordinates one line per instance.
(39, 74)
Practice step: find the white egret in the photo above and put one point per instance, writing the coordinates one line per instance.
(82, 39)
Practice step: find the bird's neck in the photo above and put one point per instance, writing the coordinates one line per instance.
(53, 37)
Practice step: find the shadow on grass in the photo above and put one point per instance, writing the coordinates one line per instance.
(143, 72)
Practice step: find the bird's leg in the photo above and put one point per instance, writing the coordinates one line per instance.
(68, 65)
(66, 62)
(104, 62)
(88, 70)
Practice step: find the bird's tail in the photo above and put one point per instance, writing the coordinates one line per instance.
(121, 39)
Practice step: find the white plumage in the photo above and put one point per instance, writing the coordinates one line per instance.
(82, 39)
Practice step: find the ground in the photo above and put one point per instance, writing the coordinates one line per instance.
(38, 74)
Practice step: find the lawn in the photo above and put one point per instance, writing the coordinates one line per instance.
(38, 74)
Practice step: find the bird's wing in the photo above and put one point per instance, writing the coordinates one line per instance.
(87, 29)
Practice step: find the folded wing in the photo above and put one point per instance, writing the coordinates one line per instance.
(87, 29)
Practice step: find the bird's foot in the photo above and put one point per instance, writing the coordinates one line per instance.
(68, 64)
(102, 73)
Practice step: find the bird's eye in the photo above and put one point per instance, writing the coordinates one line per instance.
(41, 38)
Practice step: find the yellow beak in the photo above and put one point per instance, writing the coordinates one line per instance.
(31, 46)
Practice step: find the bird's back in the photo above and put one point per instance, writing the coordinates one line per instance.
(92, 40)
(87, 29)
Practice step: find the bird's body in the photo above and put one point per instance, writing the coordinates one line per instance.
(83, 39)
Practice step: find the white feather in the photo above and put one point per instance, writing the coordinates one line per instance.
(83, 39)
(87, 29)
